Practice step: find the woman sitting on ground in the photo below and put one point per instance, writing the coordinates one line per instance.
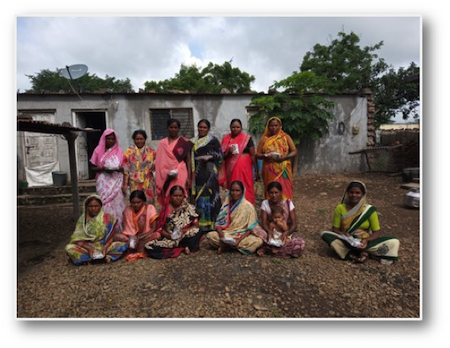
(94, 237)
(237, 224)
(139, 220)
(178, 226)
(285, 242)
(356, 232)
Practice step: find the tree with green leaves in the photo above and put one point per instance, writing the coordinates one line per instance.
(301, 106)
(52, 81)
(351, 67)
(395, 95)
(348, 66)
(211, 79)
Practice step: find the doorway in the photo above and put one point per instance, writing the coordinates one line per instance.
(87, 141)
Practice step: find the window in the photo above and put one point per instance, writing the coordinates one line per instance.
(159, 118)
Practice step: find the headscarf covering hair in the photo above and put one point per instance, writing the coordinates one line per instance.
(91, 198)
(85, 231)
(360, 185)
(266, 130)
(101, 153)
(349, 218)
(276, 171)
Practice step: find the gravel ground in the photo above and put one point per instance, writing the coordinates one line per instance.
(206, 285)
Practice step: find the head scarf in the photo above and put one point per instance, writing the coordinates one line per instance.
(277, 142)
(96, 229)
(363, 198)
(267, 131)
(101, 153)
(348, 220)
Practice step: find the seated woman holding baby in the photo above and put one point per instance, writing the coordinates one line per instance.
(279, 220)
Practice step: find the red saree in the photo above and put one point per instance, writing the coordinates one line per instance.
(238, 166)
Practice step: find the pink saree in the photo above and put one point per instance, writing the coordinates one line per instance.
(139, 224)
(171, 157)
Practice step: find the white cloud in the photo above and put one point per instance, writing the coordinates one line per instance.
(153, 48)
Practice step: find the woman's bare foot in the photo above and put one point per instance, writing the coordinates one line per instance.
(219, 250)
(187, 251)
(359, 258)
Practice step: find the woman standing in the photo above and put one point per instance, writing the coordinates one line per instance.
(138, 167)
(356, 232)
(290, 244)
(237, 225)
(276, 148)
(239, 155)
(206, 160)
(107, 162)
(178, 226)
(139, 225)
(94, 237)
(173, 163)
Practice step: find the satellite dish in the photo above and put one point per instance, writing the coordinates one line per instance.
(74, 72)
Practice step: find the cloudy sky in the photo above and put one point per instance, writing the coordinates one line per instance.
(153, 48)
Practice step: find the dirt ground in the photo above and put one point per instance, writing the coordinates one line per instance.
(206, 285)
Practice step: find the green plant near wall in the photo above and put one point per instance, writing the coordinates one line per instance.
(300, 105)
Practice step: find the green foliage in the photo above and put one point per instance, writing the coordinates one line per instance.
(344, 62)
(52, 81)
(303, 111)
(211, 79)
(189, 78)
(350, 67)
(394, 95)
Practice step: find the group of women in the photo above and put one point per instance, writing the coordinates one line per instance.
(184, 178)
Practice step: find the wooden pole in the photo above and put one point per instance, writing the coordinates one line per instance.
(70, 137)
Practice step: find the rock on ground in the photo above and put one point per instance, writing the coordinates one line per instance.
(206, 285)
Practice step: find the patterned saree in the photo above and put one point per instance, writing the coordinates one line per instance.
(276, 171)
(97, 232)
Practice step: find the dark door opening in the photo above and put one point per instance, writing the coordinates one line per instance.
(95, 120)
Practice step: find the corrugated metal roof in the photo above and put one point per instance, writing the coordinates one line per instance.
(27, 125)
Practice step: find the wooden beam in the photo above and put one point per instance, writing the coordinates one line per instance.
(70, 137)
